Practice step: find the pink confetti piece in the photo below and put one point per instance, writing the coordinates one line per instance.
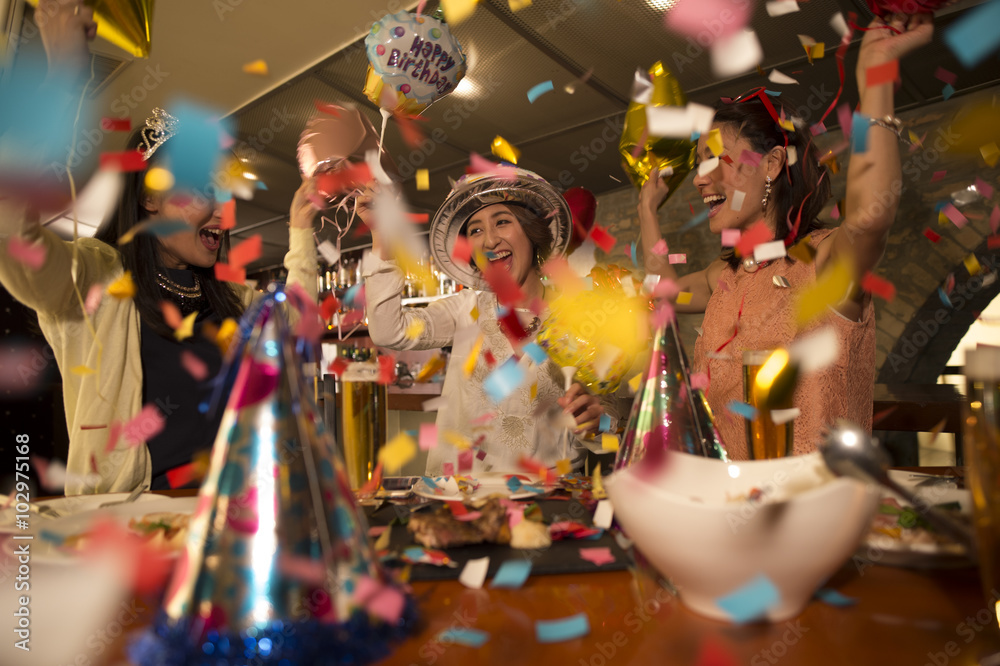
(666, 288)
(844, 117)
(479, 164)
(699, 380)
(428, 438)
(659, 248)
(984, 188)
(93, 300)
(384, 601)
(817, 129)
(469, 516)
(663, 314)
(318, 202)
(835, 213)
(730, 237)
(303, 569)
(598, 556)
(995, 219)
(448, 469)
(938, 175)
(193, 365)
(750, 158)
(954, 215)
(143, 426)
(943, 75)
(465, 461)
(677, 258)
(31, 255)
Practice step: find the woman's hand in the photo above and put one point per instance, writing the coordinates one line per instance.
(303, 212)
(881, 45)
(66, 27)
(585, 408)
(653, 192)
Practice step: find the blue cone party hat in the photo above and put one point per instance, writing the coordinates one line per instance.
(277, 568)
(667, 414)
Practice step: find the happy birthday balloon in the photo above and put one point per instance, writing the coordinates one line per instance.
(413, 62)
(641, 152)
(125, 23)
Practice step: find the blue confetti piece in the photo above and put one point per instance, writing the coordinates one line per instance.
(939, 206)
(459, 636)
(512, 574)
(750, 601)
(605, 424)
(859, 133)
(51, 537)
(944, 298)
(632, 254)
(351, 295)
(566, 629)
(539, 90)
(834, 598)
(696, 220)
(504, 380)
(748, 412)
(535, 352)
(974, 36)
(261, 185)
(194, 151)
(773, 93)
(429, 482)
(695, 135)
(514, 484)
(947, 91)
(414, 553)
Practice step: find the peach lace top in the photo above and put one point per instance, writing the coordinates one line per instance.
(843, 389)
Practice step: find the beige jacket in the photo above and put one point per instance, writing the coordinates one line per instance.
(113, 393)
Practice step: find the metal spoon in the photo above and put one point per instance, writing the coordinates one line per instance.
(849, 451)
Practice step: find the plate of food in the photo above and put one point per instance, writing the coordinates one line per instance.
(61, 507)
(900, 536)
(162, 521)
(459, 488)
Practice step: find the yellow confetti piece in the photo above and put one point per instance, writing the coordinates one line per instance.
(943, 219)
(816, 51)
(480, 259)
(159, 179)
(972, 264)
(419, 273)
(224, 338)
(470, 361)
(609, 442)
(683, 298)
(382, 542)
(433, 366)
(990, 153)
(257, 67)
(82, 370)
(398, 452)
(634, 383)
(456, 11)
(474, 313)
(563, 467)
(534, 390)
(829, 289)
(915, 140)
(714, 142)
(516, 5)
(456, 439)
(787, 124)
(415, 328)
(597, 484)
(186, 329)
(423, 180)
(504, 150)
(123, 287)
(802, 251)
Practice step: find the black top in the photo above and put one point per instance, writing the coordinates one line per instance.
(168, 385)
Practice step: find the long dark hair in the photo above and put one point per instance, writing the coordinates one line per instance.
(141, 255)
(804, 184)
(535, 228)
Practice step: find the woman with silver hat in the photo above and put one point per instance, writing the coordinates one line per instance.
(514, 220)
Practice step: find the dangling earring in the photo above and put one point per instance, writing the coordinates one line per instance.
(767, 194)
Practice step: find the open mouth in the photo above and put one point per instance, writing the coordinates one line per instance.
(503, 257)
(714, 203)
(210, 237)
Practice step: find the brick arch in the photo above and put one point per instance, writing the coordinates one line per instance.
(922, 351)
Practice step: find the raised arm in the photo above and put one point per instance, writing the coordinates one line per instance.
(651, 195)
(874, 179)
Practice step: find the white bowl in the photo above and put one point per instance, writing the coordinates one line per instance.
(688, 520)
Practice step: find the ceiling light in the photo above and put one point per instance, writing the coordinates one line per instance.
(662, 5)
(249, 175)
(464, 88)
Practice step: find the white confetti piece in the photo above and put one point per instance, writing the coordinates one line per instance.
(736, 203)
(839, 25)
(603, 514)
(780, 416)
(781, 7)
(736, 54)
(769, 251)
(815, 351)
(782, 79)
(708, 166)
(474, 573)
(329, 252)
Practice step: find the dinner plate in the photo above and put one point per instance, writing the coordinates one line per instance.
(66, 506)
(50, 533)
(446, 488)
(883, 549)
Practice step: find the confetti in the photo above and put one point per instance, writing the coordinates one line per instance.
(708, 166)
(683, 298)
(399, 451)
(954, 214)
(246, 252)
(193, 365)
(504, 380)
(769, 251)
(973, 36)
(834, 598)
(780, 416)
(751, 601)
(677, 258)
(598, 556)
(557, 631)
(609, 442)
(947, 91)
(459, 635)
(423, 180)
(859, 132)
(384, 601)
(504, 150)
(972, 264)
(736, 54)
(781, 7)
(887, 72)
(456, 11)
(126, 160)
(679, 122)
(143, 426)
(989, 151)
(731, 237)
(31, 255)
(512, 574)
(829, 289)
(879, 287)
(943, 75)
(186, 327)
(748, 412)
(539, 90)
(782, 79)
(757, 233)
(227, 273)
(931, 236)
(602, 238)
(123, 287)
(714, 142)
(415, 328)
(750, 158)
(984, 188)
(257, 68)
(995, 219)
(116, 124)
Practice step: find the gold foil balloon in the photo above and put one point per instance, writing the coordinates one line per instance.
(413, 62)
(125, 23)
(641, 152)
(598, 332)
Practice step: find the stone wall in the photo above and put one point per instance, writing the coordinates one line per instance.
(913, 263)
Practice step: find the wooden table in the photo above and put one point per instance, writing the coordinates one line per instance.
(901, 617)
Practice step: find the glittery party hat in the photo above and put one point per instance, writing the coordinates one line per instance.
(667, 415)
(277, 568)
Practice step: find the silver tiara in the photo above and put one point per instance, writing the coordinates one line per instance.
(159, 127)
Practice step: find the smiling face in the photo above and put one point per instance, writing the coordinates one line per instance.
(198, 247)
(497, 233)
(719, 187)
